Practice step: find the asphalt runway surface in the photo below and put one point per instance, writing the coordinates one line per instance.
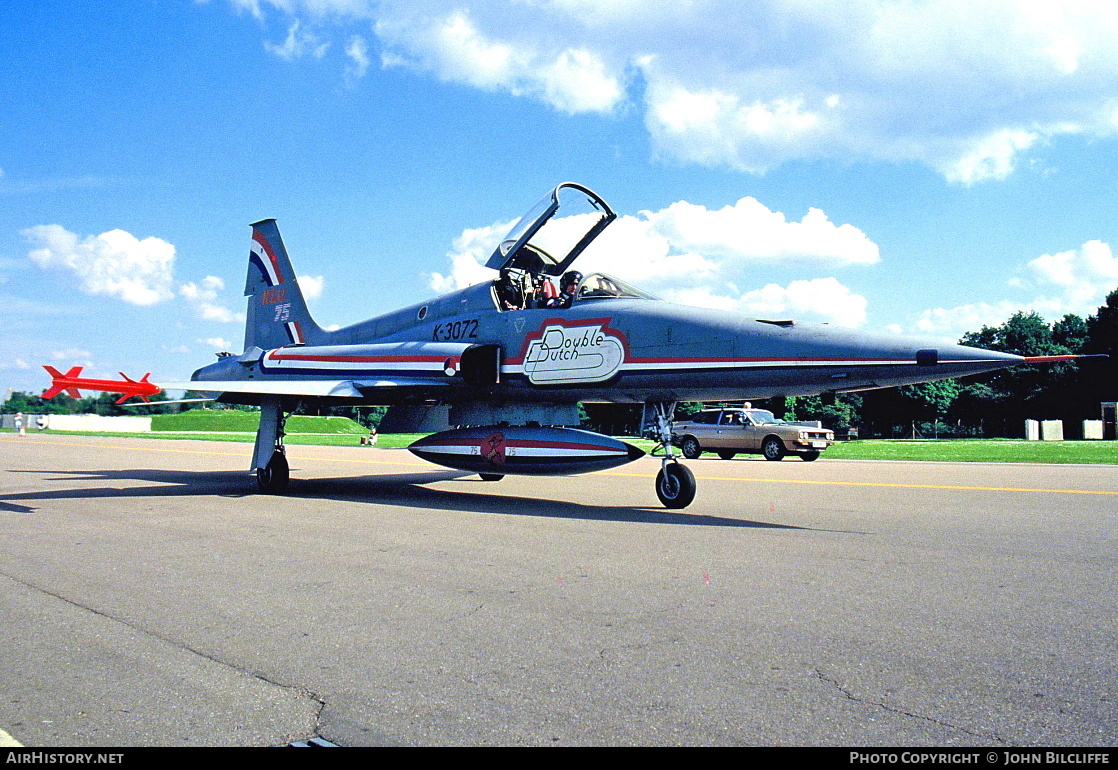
(148, 597)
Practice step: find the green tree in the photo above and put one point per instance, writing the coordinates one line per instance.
(840, 412)
(1071, 333)
(1037, 391)
(1099, 378)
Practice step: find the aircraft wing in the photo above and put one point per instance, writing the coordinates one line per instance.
(325, 388)
(358, 371)
(336, 388)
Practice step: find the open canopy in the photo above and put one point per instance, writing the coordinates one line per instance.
(554, 232)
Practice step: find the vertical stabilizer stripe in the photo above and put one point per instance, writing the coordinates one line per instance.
(267, 259)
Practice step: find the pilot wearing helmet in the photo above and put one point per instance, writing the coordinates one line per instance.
(568, 287)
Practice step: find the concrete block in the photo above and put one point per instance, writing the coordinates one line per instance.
(1051, 430)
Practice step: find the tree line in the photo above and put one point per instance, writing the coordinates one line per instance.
(987, 405)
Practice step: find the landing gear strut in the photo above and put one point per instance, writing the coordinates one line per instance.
(675, 483)
(268, 459)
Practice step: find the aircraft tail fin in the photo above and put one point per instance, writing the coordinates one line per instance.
(277, 312)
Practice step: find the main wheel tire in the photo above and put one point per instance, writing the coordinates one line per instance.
(809, 456)
(773, 448)
(727, 455)
(690, 448)
(491, 476)
(675, 485)
(272, 479)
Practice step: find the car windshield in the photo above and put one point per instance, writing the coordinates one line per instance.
(602, 286)
(762, 417)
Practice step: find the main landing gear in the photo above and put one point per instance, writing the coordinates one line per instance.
(675, 483)
(269, 460)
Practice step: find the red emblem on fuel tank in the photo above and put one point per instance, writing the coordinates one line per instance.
(493, 448)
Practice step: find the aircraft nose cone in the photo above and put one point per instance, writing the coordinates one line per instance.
(962, 359)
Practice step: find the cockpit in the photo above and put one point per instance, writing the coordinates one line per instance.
(534, 259)
(516, 290)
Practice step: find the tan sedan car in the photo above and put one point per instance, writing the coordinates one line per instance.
(757, 431)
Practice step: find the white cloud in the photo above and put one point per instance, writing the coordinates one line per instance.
(69, 354)
(990, 157)
(966, 88)
(818, 297)
(114, 264)
(578, 81)
(950, 324)
(218, 343)
(572, 79)
(1089, 270)
(750, 231)
(298, 43)
(203, 298)
(311, 285)
(471, 250)
(117, 264)
(358, 52)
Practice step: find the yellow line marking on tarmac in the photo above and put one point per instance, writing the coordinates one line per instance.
(8, 742)
(895, 485)
(818, 482)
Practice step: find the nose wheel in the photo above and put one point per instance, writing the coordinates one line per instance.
(675, 483)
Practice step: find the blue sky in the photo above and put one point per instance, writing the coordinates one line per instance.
(918, 167)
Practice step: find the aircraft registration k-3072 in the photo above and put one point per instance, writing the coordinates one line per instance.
(512, 358)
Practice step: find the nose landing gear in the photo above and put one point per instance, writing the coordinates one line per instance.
(675, 483)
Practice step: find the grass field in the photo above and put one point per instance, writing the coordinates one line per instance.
(966, 450)
(226, 420)
(978, 450)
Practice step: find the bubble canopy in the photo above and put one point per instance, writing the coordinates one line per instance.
(554, 232)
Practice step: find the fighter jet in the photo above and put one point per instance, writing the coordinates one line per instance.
(513, 357)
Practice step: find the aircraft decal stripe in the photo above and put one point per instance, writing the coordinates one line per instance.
(365, 372)
(519, 451)
(265, 258)
(295, 332)
(516, 366)
(273, 356)
(427, 367)
(451, 444)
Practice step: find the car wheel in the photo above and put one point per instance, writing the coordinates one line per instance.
(727, 455)
(675, 485)
(809, 456)
(272, 479)
(773, 448)
(690, 448)
(491, 476)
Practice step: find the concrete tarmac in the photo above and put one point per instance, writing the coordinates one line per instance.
(148, 597)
